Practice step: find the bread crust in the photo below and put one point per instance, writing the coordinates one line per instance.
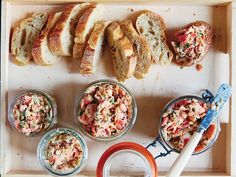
(163, 37)
(55, 41)
(87, 63)
(140, 47)
(17, 61)
(36, 52)
(157, 16)
(23, 26)
(37, 46)
(78, 50)
(80, 28)
(121, 47)
(209, 41)
(83, 29)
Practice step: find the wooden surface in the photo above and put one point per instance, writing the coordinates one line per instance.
(207, 2)
(231, 128)
(231, 133)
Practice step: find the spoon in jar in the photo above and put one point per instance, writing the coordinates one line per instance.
(222, 96)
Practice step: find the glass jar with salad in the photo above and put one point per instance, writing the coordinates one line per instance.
(181, 118)
(62, 152)
(106, 110)
(32, 112)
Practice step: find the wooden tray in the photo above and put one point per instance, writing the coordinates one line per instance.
(18, 154)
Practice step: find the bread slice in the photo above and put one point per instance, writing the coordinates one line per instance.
(40, 50)
(187, 45)
(84, 28)
(24, 35)
(124, 58)
(152, 27)
(141, 48)
(93, 50)
(61, 37)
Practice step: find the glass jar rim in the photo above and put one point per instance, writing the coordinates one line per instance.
(128, 127)
(49, 99)
(44, 141)
(127, 147)
(168, 105)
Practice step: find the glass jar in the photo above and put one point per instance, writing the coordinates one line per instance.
(43, 149)
(24, 126)
(216, 124)
(78, 110)
(131, 158)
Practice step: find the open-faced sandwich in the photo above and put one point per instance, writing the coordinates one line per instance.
(192, 43)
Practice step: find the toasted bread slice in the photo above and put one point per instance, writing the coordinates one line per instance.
(61, 37)
(124, 58)
(84, 28)
(141, 48)
(93, 50)
(40, 50)
(152, 27)
(192, 43)
(24, 36)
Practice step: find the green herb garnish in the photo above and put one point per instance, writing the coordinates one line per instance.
(187, 45)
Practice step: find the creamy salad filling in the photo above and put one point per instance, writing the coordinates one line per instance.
(191, 43)
(105, 110)
(64, 152)
(181, 120)
(32, 114)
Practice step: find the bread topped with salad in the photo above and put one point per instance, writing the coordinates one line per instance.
(192, 43)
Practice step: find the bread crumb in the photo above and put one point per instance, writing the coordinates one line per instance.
(181, 67)
(194, 14)
(130, 9)
(199, 67)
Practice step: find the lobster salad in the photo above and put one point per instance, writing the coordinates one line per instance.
(105, 110)
(32, 113)
(192, 43)
(63, 152)
(182, 119)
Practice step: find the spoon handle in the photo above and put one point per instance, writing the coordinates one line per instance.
(185, 155)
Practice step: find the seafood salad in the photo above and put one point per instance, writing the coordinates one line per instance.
(182, 119)
(64, 152)
(32, 113)
(105, 110)
(192, 43)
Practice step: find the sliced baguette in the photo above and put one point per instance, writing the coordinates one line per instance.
(141, 48)
(40, 50)
(124, 58)
(93, 49)
(152, 27)
(84, 28)
(24, 36)
(61, 37)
